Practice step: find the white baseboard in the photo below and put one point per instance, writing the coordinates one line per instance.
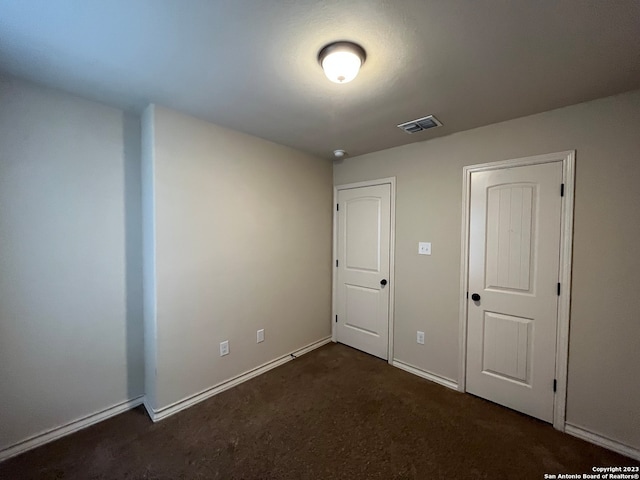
(187, 402)
(601, 441)
(63, 430)
(426, 375)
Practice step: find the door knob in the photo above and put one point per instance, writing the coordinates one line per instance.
(475, 297)
(383, 282)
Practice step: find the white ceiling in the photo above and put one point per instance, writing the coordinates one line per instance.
(251, 64)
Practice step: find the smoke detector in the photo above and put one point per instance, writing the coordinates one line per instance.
(339, 153)
(424, 123)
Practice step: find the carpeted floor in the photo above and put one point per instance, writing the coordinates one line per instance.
(334, 413)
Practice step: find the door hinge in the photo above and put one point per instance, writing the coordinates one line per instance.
(562, 189)
(337, 207)
(558, 288)
(336, 318)
(336, 263)
(555, 385)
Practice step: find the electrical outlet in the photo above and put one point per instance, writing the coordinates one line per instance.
(224, 348)
(424, 248)
(260, 336)
(420, 338)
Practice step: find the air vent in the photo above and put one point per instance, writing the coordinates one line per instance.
(424, 123)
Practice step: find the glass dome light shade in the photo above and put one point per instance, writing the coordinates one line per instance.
(341, 61)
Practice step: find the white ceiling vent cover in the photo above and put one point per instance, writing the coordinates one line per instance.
(424, 123)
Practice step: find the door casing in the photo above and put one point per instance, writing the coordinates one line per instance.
(566, 241)
(392, 234)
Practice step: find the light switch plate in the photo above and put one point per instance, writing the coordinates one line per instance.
(420, 338)
(424, 248)
(260, 336)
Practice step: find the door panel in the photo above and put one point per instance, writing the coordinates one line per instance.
(509, 236)
(514, 251)
(364, 221)
(362, 240)
(507, 347)
(362, 308)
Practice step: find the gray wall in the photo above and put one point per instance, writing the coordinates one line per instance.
(149, 254)
(70, 283)
(603, 391)
(242, 241)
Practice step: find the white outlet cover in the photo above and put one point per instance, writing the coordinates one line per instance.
(424, 248)
(224, 348)
(420, 338)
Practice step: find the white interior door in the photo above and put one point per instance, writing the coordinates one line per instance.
(514, 250)
(363, 234)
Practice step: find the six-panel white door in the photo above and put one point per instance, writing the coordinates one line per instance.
(514, 250)
(363, 233)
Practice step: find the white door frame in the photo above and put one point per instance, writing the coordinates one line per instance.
(392, 248)
(566, 241)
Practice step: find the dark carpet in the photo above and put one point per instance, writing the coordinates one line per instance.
(334, 413)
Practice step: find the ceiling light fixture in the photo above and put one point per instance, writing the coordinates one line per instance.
(341, 61)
